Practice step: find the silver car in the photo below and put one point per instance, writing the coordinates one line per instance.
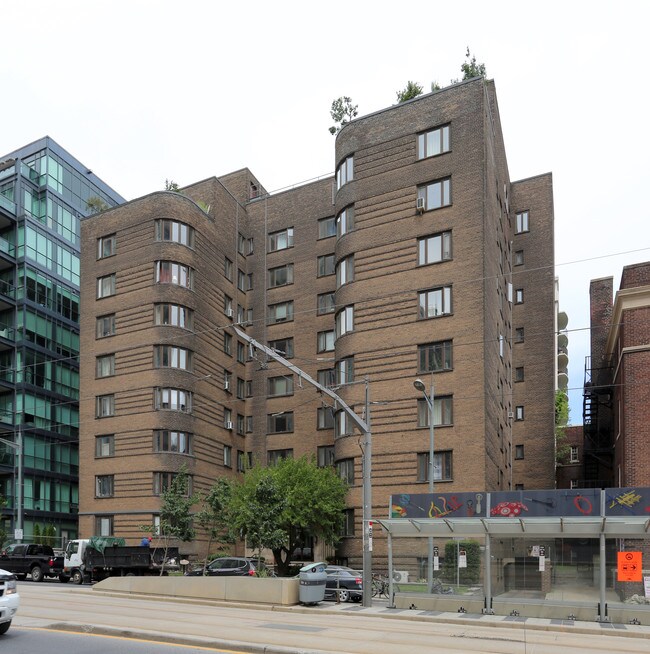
(9, 600)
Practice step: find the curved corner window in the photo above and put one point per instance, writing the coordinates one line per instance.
(170, 356)
(174, 232)
(345, 271)
(345, 221)
(174, 315)
(173, 399)
(345, 172)
(169, 272)
(344, 321)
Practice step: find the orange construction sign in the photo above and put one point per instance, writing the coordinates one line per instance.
(629, 566)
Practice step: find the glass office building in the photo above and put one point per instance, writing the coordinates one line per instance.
(44, 192)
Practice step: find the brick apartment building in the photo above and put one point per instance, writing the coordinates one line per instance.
(419, 258)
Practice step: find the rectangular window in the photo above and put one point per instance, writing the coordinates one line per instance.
(442, 466)
(227, 344)
(326, 378)
(281, 312)
(105, 326)
(278, 386)
(345, 371)
(227, 381)
(227, 456)
(106, 246)
(104, 406)
(325, 419)
(241, 244)
(342, 424)
(104, 525)
(227, 419)
(325, 303)
(433, 249)
(241, 388)
(344, 321)
(241, 352)
(278, 423)
(519, 374)
(105, 365)
(348, 523)
(436, 194)
(326, 265)
(179, 442)
(240, 424)
(519, 296)
(105, 286)
(227, 268)
(434, 303)
(519, 334)
(281, 240)
(327, 227)
(519, 451)
(325, 341)
(574, 483)
(241, 461)
(275, 456)
(433, 142)
(435, 357)
(345, 469)
(325, 456)
(573, 456)
(345, 221)
(249, 424)
(443, 414)
(519, 258)
(345, 172)
(281, 276)
(519, 413)
(104, 486)
(104, 446)
(283, 346)
(521, 222)
(242, 283)
(227, 306)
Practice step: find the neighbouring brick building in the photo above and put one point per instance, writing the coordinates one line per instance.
(419, 258)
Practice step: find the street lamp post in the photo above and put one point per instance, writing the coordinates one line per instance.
(17, 445)
(419, 385)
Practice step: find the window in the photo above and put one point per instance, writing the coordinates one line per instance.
(104, 486)
(227, 306)
(278, 386)
(244, 316)
(240, 424)
(519, 334)
(345, 172)
(105, 286)
(326, 265)
(325, 418)
(104, 406)
(345, 371)
(106, 246)
(179, 442)
(521, 222)
(162, 482)
(241, 388)
(281, 240)
(104, 446)
(325, 456)
(241, 352)
(325, 341)
(326, 378)
(519, 452)
(436, 194)
(435, 357)
(574, 483)
(325, 303)
(174, 315)
(433, 249)
(442, 470)
(241, 244)
(283, 346)
(344, 321)
(175, 232)
(227, 381)
(519, 258)
(241, 461)
(104, 525)
(433, 142)
(345, 271)
(227, 418)
(519, 374)
(172, 399)
(227, 456)
(249, 424)
(519, 413)
(227, 344)
(345, 469)
(502, 343)
(434, 303)
(327, 227)
(342, 424)
(278, 423)
(170, 356)
(281, 312)
(105, 326)
(573, 456)
(281, 276)
(519, 296)
(169, 272)
(348, 523)
(105, 365)
(242, 283)
(443, 414)
(275, 456)
(345, 221)
(227, 268)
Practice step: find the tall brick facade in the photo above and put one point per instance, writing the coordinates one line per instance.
(399, 267)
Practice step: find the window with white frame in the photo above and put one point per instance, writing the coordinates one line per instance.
(434, 249)
(105, 286)
(170, 272)
(174, 232)
(106, 246)
(170, 356)
(345, 271)
(519, 296)
(281, 312)
(435, 357)
(435, 141)
(345, 221)
(104, 525)
(327, 227)
(345, 172)
(443, 412)
(278, 386)
(178, 442)
(435, 194)
(104, 445)
(435, 302)
(325, 341)
(344, 321)
(442, 466)
(521, 222)
(342, 424)
(519, 413)
(573, 455)
(345, 371)
(173, 399)
(104, 485)
(278, 423)
(281, 240)
(326, 265)
(227, 456)
(281, 276)
(105, 406)
(105, 365)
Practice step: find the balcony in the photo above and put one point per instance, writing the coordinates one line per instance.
(8, 205)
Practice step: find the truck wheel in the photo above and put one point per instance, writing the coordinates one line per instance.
(77, 577)
(37, 574)
(4, 627)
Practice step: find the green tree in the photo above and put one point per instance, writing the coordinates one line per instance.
(470, 68)
(342, 112)
(36, 537)
(215, 517)
(276, 506)
(435, 86)
(412, 90)
(171, 185)
(468, 575)
(96, 205)
(562, 447)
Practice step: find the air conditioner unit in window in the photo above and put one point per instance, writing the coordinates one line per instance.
(419, 205)
(228, 424)
(400, 576)
(511, 415)
(229, 312)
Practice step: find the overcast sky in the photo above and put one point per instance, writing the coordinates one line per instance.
(142, 91)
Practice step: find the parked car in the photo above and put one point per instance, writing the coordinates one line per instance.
(345, 582)
(229, 566)
(9, 599)
(37, 560)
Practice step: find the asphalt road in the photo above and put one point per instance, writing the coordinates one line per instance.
(325, 628)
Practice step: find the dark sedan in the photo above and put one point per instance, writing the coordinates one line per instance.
(344, 582)
(229, 567)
